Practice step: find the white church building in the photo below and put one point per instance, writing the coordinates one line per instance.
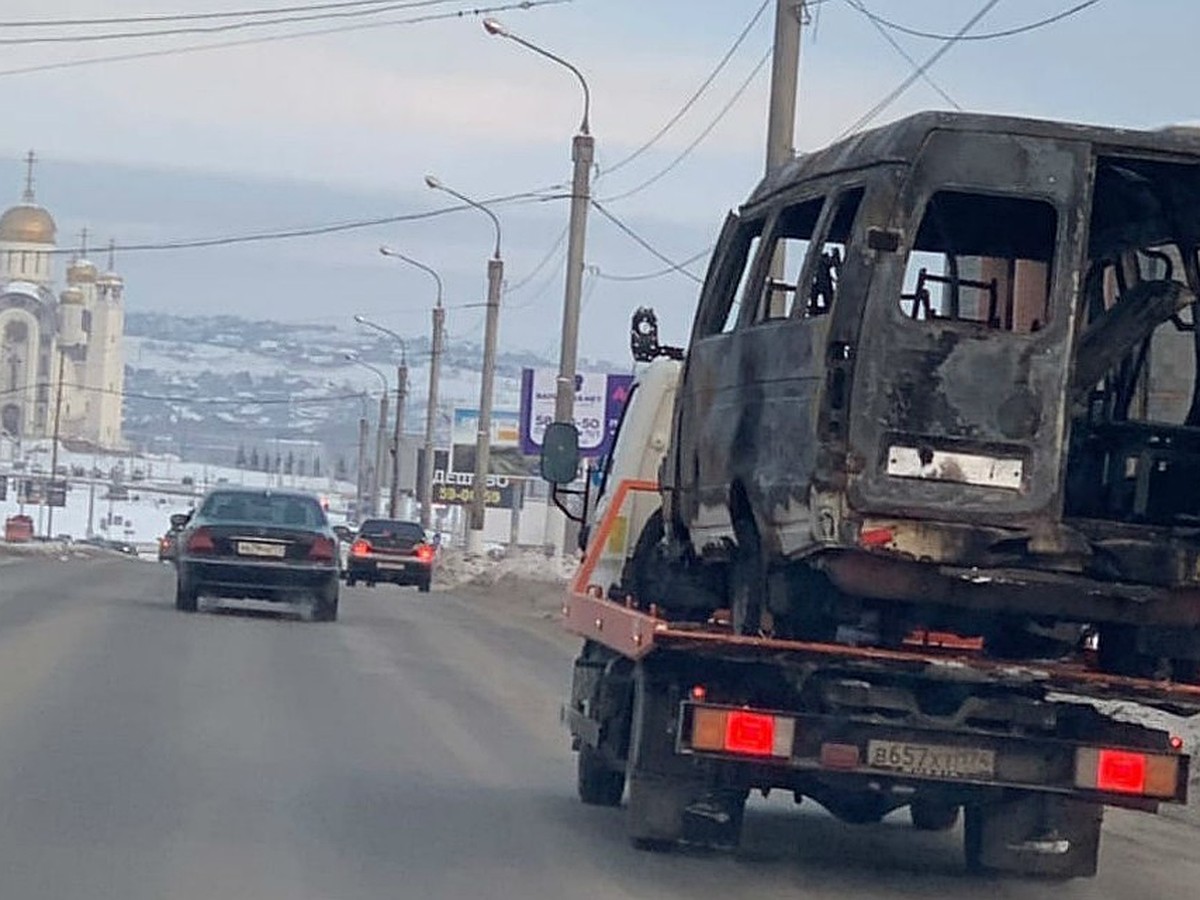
(61, 357)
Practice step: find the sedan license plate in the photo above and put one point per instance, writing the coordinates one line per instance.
(931, 760)
(396, 567)
(255, 548)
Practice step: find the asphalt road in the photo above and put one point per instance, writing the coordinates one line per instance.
(410, 750)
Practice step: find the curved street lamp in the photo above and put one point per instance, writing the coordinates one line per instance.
(381, 438)
(435, 366)
(401, 398)
(583, 151)
(495, 274)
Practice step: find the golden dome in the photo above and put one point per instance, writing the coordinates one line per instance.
(81, 272)
(27, 223)
(72, 296)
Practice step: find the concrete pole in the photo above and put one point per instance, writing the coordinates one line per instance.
(435, 366)
(360, 495)
(582, 153)
(397, 434)
(54, 447)
(380, 480)
(781, 117)
(484, 434)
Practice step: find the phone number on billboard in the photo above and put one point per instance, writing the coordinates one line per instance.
(446, 493)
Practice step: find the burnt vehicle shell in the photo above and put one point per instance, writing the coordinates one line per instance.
(941, 458)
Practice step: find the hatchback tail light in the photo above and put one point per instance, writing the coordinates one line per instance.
(360, 548)
(201, 541)
(323, 549)
(424, 553)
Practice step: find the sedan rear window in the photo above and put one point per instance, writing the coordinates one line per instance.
(263, 508)
(405, 531)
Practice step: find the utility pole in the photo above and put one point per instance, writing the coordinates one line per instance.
(435, 367)
(781, 117)
(397, 435)
(54, 446)
(359, 498)
(484, 435)
(380, 456)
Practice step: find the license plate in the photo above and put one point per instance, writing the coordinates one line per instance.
(931, 760)
(254, 548)
(399, 567)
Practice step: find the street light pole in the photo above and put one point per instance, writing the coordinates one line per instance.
(495, 273)
(54, 447)
(425, 488)
(401, 397)
(582, 155)
(380, 478)
(781, 117)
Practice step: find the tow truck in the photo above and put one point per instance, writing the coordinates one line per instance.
(684, 717)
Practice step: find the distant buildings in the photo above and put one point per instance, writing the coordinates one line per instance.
(78, 335)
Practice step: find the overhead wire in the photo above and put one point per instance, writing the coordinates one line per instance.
(708, 129)
(986, 36)
(311, 231)
(187, 17)
(383, 9)
(649, 276)
(696, 95)
(272, 38)
(908, 82)
(644, 244)
(886, 35)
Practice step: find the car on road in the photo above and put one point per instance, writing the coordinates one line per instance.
(168, 544)
(391, 550)
(258, 544)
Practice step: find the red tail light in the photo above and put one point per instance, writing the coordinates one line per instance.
(360, 548)
(751, 733)
(424, 553)
(1121, 772)
(323, 549)
(201, 542)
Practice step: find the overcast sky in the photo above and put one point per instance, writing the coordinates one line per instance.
(344, 126)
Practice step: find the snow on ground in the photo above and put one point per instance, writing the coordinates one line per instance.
(161, 491)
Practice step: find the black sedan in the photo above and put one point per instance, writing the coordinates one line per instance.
(256, 544)
(391, 550)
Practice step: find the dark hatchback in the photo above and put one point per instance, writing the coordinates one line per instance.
(391, 550)
(256, 544)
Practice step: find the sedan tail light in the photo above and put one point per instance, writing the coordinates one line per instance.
(201, 541)
(360, 548)
(323, 549)
(424, 553)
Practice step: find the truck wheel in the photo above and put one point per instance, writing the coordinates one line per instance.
(598, 783)
(933, 815)
(1033, 835)
(185, 597)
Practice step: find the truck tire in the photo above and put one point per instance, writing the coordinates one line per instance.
(598, 783)
(1033, 835)
(186, 599)
(933, 815)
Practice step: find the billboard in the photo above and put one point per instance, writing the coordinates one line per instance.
(455, 488)
(599, 401)
(505, 456)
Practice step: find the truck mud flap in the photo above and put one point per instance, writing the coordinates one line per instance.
(1036, 835)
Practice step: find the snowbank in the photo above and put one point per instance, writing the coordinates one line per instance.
(456, 570)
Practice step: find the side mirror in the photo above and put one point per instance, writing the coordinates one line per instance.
(560, 453)
(178, 520)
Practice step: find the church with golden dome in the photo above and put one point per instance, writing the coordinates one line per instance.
(61, 355)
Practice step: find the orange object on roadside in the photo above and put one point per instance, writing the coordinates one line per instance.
(18, 529)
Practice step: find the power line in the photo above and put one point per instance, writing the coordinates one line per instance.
(542, 264)
(687, 151)
(313, 231)
(187, 17)
(886, 35)
(312, 32)
(988, 36)
(908, 82)
(699, 92)
(644, 244)
(649, 276)
(203, 401)
(392, 6)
